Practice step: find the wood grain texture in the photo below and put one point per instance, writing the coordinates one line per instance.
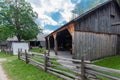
(94, 46)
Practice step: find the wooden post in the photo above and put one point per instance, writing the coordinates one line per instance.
(11, 51)
(46, 62)
(55, 43)
(26, 57)
(71, 31)
(83, 69)
(20, 51)
(48, 45)
(19, 54)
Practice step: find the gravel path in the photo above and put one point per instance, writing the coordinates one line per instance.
(2, 73)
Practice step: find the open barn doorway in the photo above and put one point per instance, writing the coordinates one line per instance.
(60, 44)
(51, 38)
(64, 40)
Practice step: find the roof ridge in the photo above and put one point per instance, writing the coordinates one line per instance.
(92, 9)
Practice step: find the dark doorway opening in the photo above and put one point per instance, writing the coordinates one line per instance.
(64, 40)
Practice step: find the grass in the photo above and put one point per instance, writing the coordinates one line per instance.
(19, 70)
(109, 62)
(38, 50)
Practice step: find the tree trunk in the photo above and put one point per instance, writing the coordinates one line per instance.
(19, 38)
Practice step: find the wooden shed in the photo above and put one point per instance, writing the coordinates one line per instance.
(95, 34)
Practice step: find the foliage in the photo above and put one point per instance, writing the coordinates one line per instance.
(6, 32)
(86, 5)
(18, 16)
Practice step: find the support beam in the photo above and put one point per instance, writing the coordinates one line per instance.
(71, 31)
(48, 45)
(55, 43)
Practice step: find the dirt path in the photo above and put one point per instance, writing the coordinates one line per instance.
(2, 73)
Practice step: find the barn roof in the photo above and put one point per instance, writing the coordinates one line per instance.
(87, 13)
(40, 37)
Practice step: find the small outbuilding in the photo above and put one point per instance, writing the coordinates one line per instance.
(95, 34)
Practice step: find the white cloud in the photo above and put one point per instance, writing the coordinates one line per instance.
(78, 1)
(47, 31)
(44, 7)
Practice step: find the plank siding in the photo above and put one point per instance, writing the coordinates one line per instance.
(118, 45)
(94, 46)
(100, 20)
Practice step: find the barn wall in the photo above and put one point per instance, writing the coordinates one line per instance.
(94, 45)
(100, 20)
(118, 45)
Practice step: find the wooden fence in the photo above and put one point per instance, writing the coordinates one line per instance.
(69, 69)
(7, 51)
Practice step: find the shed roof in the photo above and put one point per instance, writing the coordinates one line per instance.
(87, 13)
(40, 37)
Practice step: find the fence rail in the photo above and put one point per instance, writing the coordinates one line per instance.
(7, 51)
(69, 69)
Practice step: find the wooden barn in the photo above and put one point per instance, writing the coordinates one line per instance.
(95, 34)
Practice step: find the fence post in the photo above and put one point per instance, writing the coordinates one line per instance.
(26, 57)
(19, 54)
(46, 61)
(82, 69)
(11, 51)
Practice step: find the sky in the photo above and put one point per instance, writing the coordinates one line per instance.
(52, 14)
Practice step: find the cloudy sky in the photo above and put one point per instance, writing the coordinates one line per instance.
(53, 13)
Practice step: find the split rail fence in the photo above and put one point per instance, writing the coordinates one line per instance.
(7, 51)
(69, 69)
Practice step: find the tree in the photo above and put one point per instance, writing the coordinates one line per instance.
(86, 5)
(18, 17)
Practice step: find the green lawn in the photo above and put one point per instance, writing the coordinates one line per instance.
(38, 50)
(110, 62)
(19, 70)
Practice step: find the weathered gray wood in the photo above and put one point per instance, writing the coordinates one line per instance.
(116, 23)
(75, 70)
(100, 20)
(39, 65)
(86, 69)
(94, 46)
(101, 74)
(36, 62)
(26, 57)
(109, 70)
(61, 76)
(74, 60)
(55, 43)
(62, 72)
(83, 77)
(19, 54)
(33, 54)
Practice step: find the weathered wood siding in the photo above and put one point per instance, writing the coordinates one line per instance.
(118, 45)
(94, 45)
(100, 20)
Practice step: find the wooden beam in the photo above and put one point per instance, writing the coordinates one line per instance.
(55, 43)
(59, 30)
(116, 23)
(48, 45)
(70, 28)
(72, 31)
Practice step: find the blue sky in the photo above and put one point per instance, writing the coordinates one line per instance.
(52, 14)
